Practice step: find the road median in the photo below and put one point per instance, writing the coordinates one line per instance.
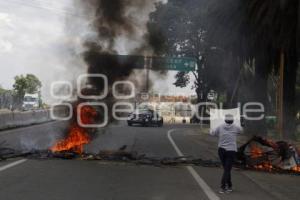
(19, 119)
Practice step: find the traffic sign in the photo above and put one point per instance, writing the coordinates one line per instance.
(153, 63)
(177, 64)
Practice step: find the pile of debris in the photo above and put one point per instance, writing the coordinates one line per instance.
(115, 156)
(256, 154)
(266, 155)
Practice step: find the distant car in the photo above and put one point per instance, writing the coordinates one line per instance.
(145, 117)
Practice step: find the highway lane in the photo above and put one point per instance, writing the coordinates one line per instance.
(40, 136)
(74, 179)
(247, 184)
(59, 179)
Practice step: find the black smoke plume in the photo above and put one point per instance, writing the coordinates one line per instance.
(121, 27)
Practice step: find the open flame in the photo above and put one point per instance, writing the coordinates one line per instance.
(264, 162)
(77, 136)
(296, 168)
(264, 166)
(255, 151)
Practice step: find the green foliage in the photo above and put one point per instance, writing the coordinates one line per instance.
(20, 85)
(182, 79)
(263, 32)
(180, 23)
(33, 83)
(2, 90)
(26, 84)
(252, 32)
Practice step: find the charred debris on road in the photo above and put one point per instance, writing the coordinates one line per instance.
(120, 155)
(257, 154)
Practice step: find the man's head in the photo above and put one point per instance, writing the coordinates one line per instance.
(229, 119)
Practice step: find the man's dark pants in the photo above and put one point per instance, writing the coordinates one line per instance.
(227, 159)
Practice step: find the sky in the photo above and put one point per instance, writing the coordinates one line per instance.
(34, 39)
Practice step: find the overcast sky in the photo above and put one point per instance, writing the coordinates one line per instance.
(34, 39)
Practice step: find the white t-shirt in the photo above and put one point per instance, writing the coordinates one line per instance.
(227, 136)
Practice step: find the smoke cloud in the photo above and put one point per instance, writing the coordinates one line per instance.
(121, 25)
(118, 27)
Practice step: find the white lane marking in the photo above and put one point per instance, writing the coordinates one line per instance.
(12, 164)
(203, 185)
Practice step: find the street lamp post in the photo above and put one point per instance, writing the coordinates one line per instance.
(280, 96)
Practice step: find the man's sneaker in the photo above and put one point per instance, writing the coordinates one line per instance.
(229, 189)
(222, 191)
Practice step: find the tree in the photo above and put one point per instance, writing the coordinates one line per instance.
(182, 79)
(26, 84)
(185, 28)
(262, 31)
(251, 33)
(274, 28)
(180, 23)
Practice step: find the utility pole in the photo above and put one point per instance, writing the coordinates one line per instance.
(280, 95)
(147, 66)
(235, 88)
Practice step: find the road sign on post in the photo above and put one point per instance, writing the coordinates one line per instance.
(154, 63)
(177, 64)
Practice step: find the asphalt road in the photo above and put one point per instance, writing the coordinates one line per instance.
(97, 180)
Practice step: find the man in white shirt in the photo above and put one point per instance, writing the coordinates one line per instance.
(227, 133)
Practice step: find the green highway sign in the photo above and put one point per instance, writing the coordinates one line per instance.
(177, 64)
(153, 63)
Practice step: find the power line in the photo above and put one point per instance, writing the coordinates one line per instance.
(46, 5)
(49, 8)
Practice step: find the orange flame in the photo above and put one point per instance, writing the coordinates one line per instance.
(74, 142)
(266, 166)
(77, 136)
(255, 151)
(296, 169)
